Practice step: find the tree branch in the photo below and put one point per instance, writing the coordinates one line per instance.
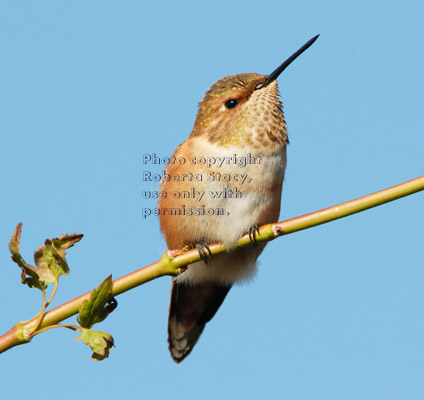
(174, 262)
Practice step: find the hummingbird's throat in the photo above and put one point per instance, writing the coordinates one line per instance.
(259, 123)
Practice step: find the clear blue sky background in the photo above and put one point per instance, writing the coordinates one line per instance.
(336, 312)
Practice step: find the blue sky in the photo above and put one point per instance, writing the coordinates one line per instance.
(87, 88)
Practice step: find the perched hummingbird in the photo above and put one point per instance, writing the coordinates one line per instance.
(227, 183)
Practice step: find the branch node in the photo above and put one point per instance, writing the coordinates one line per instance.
(174, 253)
(277, 230)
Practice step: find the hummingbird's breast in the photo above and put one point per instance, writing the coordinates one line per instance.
(243, 182)
(237, 188)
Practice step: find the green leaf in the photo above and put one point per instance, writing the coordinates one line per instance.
(50, 259)
(29, 274)
(99, 306)
(100, 343)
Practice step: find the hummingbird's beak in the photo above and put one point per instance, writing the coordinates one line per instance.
(274, 75)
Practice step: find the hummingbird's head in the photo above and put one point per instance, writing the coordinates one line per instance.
(245, 109)
(234, 111)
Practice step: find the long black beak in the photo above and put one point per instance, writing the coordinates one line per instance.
(274, 75)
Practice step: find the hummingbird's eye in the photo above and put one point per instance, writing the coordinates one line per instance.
(230, 104)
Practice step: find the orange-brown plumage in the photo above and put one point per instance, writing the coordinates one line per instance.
(198, 292)
(240, 116)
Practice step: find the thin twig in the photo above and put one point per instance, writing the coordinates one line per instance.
(173, 262)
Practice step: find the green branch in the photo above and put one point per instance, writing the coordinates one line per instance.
(174, 262)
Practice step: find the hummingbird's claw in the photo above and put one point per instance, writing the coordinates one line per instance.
(253, 231)
(203, 250)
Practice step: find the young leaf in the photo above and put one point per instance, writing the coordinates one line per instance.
(100, 343)
(29, 274)
(50, 259)
(99, 306)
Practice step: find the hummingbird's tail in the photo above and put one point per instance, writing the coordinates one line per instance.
(192, 306)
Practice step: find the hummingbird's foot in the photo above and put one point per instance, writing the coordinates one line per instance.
(203, 250)
(253, 231)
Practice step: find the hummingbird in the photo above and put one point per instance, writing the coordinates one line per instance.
(227, 183)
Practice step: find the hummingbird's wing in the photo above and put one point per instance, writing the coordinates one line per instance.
(192, 306)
